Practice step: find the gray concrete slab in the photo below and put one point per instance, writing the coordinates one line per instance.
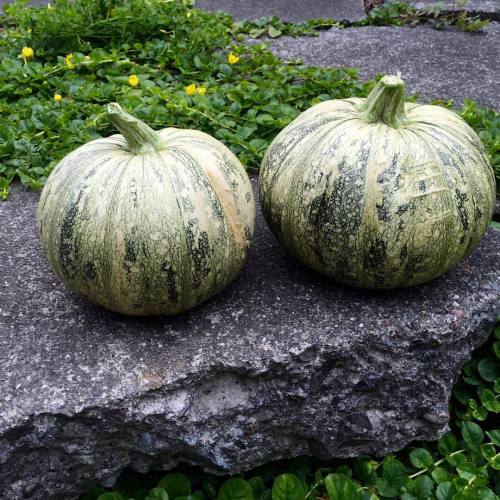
(282, 363)
(351, 10)
(287, 10)
(298, 10)
(446, 64)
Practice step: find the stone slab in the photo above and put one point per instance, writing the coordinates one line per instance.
(297, 10)
(349, 10)
(446, 64)
(287, 10)
(282, 363)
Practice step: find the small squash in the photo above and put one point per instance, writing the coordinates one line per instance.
(376, 192)
(147, 222)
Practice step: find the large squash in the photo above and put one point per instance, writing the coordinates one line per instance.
(376, 192)
(147, 222)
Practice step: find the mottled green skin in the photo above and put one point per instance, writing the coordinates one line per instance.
(374, 206)
(151, 233)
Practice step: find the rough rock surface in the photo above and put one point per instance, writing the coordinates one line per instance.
(288, 10)
(447, 64)
(349, 10)
(282, 363)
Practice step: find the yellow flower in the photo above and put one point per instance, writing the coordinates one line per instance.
(189, 14)
(190, 89)
(27, 53)
(133, 81)
(29, 30)
(201, 90)
(232, 58)
(57, 97)
(68, 61)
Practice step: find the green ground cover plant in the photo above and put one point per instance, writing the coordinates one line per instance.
(463, 465)
(401, 13)
(166, 62)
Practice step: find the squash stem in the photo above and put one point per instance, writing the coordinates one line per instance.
(141, 138)
(386, 103)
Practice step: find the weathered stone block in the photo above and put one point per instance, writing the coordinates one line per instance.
(282, 363)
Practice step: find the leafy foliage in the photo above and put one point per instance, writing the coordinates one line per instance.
(463, 465)
(487, 123)
(401, 13)
(273, 27)
(164, 61)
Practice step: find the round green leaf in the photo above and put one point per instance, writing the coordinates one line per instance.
(394, 472)
(385, 489)
(176, 485)
(235, 489)
(460, 483)
(488, 451)
(456, 459)
(422, 487)
(495, 462)
(494, 436)
(483, 493)
(447, 444)
(480, 413)
(477, 493)
(496, 386)
(440, 475)
(273, 32)
(490, 401)
(467, 471)
(288, 487)
(340, 487)
(157, 494)
(496, 348)
(445, 491)
(473, 435)
(407, 496)
(363, 468)
(462, 394)
(421, 458)
(489, 369)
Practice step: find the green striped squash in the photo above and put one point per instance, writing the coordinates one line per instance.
(147, 222)
(376, 192)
